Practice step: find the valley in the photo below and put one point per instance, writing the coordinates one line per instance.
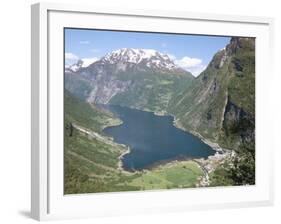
(217, 107)
(93, 160)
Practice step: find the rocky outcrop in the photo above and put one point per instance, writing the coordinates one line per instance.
(220, 104)
(102, 94)
(239, 125)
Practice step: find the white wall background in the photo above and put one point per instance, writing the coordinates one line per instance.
(15, 110)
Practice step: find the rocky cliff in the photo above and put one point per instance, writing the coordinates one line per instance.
(139, 78)
(220, 104)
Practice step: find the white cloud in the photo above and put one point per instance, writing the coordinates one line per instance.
(193, 65)
(70, 58)
(197, 70)
(88, 61)
(187, 62)
(84, 42)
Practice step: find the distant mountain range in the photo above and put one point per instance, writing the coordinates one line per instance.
(146, 58)
(139, 78)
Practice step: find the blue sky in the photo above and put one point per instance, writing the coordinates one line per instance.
(192, 52)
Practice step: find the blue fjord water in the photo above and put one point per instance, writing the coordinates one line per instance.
(153, 139)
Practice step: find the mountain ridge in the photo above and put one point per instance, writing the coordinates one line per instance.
(220, 106)
(221, 87)
(147, 57)
(131, 77)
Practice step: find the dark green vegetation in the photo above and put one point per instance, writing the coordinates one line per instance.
(241, 171)
(151, 91)
(91, 160)
(219, 105)
(86, 115)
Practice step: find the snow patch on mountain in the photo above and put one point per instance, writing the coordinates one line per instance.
(74, 67)
(149, 57)
(127, 57)
(81, 63)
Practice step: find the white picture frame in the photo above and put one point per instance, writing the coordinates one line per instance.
(47, 199)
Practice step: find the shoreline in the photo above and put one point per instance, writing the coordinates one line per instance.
(108, 140)
(209, 164)
(109, 125)
(215, 146)
(206, 164)
(120, 163)
(118, 123)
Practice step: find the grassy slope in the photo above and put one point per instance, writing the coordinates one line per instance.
(203, 108)
(151, 91)
(181, 174)
(91, 164)
(200, 107)
(86, 115)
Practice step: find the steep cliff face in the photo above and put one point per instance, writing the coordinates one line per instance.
(201, 107)
(239, 118)
(77, 85)
(139, 78)
(103, 93)
(238, 127)
(220, 104)
(101, 81)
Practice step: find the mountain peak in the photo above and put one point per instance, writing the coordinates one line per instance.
(147, 57)
(74, 67)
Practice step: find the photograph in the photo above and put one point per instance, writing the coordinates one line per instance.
(157, 111)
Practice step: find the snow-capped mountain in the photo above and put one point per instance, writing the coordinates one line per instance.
(131, 57)
(74, 67)
(127, 76)
(148, 57)
(81, 63)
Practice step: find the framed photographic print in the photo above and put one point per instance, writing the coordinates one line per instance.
(148, 111)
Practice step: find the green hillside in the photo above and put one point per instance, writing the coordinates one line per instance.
(151, 91)
(220, 106)
(89, 157)
(92, 160)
